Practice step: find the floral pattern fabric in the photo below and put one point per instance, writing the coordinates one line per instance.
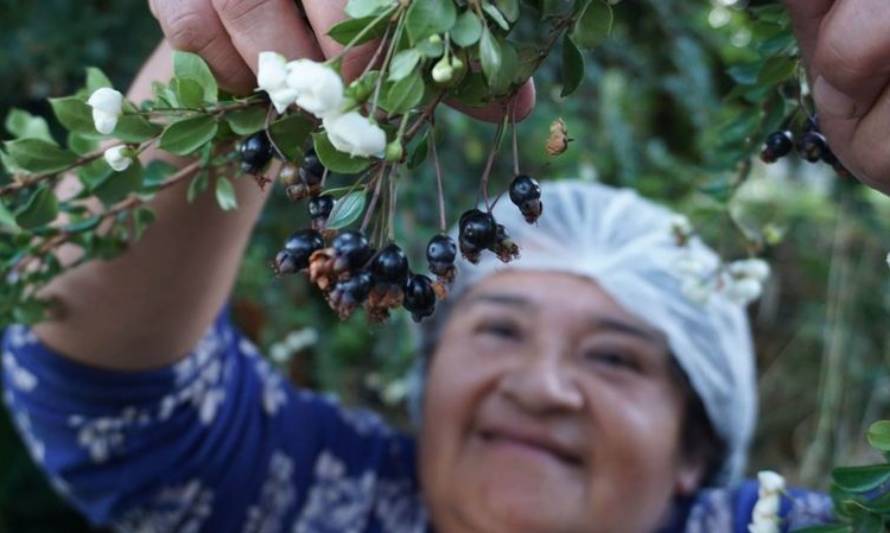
(221, 442)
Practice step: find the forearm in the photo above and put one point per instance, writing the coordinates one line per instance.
(150, 306)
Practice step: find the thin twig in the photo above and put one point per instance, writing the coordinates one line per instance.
(515, 142)
(373, 204)
(438, 168)
(490, 163)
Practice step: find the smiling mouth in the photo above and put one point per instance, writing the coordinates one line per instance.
(492, 438)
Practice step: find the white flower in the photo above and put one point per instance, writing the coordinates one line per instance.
(767, 507)
(743, 291)
(356, 135)
(770, 481)
(319, 89)
(681, 228)
(119, 157)
(756, 269)
(107, 107)
(272, 78)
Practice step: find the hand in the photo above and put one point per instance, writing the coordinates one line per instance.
(846, 47)
(230, 34)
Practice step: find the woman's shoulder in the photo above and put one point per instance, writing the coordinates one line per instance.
(731, 509)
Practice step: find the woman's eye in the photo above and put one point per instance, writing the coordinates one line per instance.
(612, 359)
(500, 329)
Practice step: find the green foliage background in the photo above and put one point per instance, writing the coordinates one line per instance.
(653, 114)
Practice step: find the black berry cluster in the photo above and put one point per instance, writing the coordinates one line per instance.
(479, 231)
(320, 208)
(811, 145)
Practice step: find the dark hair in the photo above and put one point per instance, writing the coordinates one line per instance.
(698, 440)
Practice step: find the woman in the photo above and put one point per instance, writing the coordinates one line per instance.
(576, 391)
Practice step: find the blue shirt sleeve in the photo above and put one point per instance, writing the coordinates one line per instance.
(218, 442)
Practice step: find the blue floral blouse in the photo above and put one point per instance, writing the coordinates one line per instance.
(221, 442)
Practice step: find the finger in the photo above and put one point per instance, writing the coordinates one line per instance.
(806, 17)
(193, 26)
(267, 25)
(861, 144)
(850, 58)
(324, 14)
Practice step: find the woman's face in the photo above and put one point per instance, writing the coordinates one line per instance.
(550, 409)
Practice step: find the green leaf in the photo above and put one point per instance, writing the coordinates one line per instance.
(142, 218)
(510, 9)
(86, 224)
(8, 219)
(189, 93)
(191, 66)
(594, 25)
(289, 135)
(776, 69)
(74, 114)
(403, 64)
(496, 16)
(115, 186)
(197, 186)
(344, 32)
(430, 49)
(225, 194)
(93, 173)
(467, 30)
(404, 94)
(490, 56)
(23, 125)
(186, 136)
(429, 17)
(41, 209)
(861, 478)
(347, 210)
(96, 79)
(247, 121)
(156, 172)
(364, 8)
(879, 435)
(135, 129)
(572, 66)
(82, 143)
(830, 528)
(337, 161)
(39, 156)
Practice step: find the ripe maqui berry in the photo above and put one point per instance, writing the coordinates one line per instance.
(319, 210)
(297, 250)
(812, 146)
(477, 232)
(311, 170)
(777, 146)
(390, 265)
(441, 253)
(525, 192)
(351, 251)
(256, 152)
(420, 298)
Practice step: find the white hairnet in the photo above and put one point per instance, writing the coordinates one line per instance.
(625, 243)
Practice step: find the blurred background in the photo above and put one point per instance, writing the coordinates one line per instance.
(652, 114)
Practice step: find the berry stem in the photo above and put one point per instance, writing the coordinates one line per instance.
(370, 211)
(391, 219)
(515, 142)
(378, 51)
(499, 135)
(438, 168)
(400, 26)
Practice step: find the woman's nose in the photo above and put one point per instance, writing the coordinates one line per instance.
(539, 386)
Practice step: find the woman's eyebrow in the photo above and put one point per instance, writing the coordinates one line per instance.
(498, 298)
(612, 324)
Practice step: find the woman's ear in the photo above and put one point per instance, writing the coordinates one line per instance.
(690, 475)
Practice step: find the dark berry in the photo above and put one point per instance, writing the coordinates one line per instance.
(441, 253)
(477, 229)
(285, 263)
(505, 248)
(311, 170)
(319, 209)
(420, 298)
(812, 146)
(303, 244)
(256, 152)
(777, 146)
(351, 251)
(390, 265)
(350, 293)
(523, 189)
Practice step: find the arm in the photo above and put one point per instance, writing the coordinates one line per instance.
(154, 302)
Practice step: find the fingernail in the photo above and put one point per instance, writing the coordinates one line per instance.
(832, 102)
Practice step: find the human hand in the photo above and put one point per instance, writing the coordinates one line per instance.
(230, 34)
(846, 47)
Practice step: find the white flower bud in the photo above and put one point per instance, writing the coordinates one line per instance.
(318, 88)
(743, 291)
(107, 107)
(680, 225)
(756, 269)
(272, 78)
(443, 72)
(770, 481)
(119, 157)
(356, 135)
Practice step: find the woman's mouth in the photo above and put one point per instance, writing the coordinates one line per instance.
(530, 443)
